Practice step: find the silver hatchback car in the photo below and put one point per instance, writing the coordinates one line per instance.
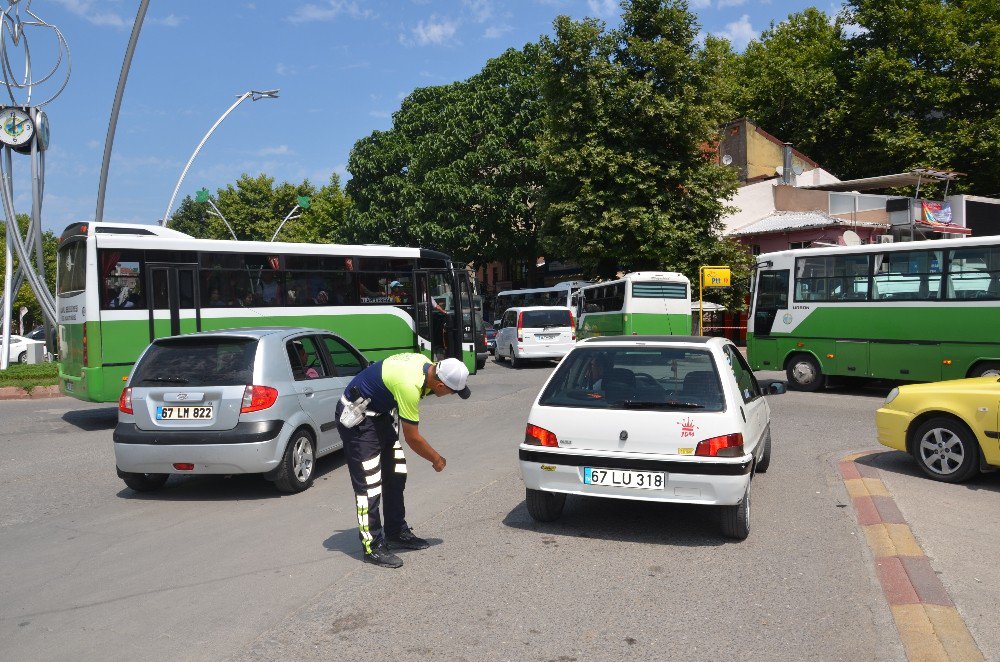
(233, 402)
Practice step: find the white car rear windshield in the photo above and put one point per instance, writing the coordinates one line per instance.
(659, 378)
(197, 362)
(539, 319)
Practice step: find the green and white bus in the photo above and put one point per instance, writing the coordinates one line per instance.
(643, 303)
(120, 286)
(914, 311)
(557, 295)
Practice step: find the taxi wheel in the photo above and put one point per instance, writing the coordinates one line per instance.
(946, 450)
(805, 374)
(765, 459)
(514, 361)
(144, 482)
(736, 519)
(544, 506)
(298, 464)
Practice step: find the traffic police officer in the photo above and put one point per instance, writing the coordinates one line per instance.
(367, 425)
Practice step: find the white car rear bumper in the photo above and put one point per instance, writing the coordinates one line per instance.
(704, 483)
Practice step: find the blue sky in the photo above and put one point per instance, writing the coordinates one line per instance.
(342, 67)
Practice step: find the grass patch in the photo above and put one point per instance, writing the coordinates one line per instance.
(29, 376)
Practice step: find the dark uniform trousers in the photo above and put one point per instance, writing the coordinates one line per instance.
(378, 469)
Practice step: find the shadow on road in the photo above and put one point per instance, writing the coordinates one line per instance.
(901, 463)
(348, 542)
(93, 420)
(618, 520)
(526, 365)
(212, 487)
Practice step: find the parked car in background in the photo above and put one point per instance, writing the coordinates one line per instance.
(19, 348)
(491, 338)
(950, 428)
(232, 402)
(535, 332)
(677, 419)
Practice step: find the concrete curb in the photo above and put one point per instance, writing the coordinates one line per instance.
(929, 624)
(37, 393)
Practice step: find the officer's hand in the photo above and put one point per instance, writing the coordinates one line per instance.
(439, 464)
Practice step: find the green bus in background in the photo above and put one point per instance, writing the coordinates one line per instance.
(120, 286)
(915, 311)
(643, 303)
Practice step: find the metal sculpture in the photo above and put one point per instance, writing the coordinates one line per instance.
(24, 129)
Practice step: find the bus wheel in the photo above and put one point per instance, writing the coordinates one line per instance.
(986, 369)
(804, 373)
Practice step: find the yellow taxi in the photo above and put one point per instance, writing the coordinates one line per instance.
(951, 428)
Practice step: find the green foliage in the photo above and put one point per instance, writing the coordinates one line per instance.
(629, 115)
(29, 376)
(25, 298)
(913, 85)
(459, 170)
(255, 207)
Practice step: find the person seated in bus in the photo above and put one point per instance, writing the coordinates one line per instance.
(215, 299)
(322, 299)
(123, 299)
(398, 293)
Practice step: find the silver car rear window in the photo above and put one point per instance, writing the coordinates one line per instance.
(197, 361)
(656, 378)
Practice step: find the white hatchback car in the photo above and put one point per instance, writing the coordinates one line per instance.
(535, 332)
(663, 418)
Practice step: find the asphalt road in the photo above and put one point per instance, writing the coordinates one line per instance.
(215, 567)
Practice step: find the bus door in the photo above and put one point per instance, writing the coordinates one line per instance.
(466, 317)
(173, 299)
(771, 299)
(435, 310)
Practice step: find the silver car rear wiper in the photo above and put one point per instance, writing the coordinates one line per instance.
(167, 380)
(649, 404)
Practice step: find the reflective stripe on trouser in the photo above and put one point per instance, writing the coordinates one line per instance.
(378, 469)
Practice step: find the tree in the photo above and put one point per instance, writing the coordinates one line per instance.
(459, 169)
(631, 115)
(254, 208)
(25, 298)
(793, 83)
(924, 90)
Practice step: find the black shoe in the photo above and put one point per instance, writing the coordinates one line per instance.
(407, 540)
(381, 556)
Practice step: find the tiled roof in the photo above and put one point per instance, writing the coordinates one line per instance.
(786, 221)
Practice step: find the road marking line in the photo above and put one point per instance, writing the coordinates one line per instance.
(929, 625)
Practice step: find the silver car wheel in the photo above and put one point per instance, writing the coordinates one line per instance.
(941, 451)
(302, 459)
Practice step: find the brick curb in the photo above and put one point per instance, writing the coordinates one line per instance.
(927, 620)
(37, 393)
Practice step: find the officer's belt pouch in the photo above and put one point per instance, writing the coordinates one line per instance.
(353, 412)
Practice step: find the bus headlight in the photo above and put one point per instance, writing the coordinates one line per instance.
(892, 395)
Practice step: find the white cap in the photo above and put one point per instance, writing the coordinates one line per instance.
(454, 374)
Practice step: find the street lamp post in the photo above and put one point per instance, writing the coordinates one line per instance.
(300, 204)
(253, 95)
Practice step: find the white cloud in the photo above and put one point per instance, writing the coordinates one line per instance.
(328, 11)
(481, 10)
(86, 10)
(285, 70)
(280, 150)
(496, 31)
(700, 4)
(381, 114)
(435, 31)
(93, 144)
(169, 21)
(603, 7)
(731, 3)
(739, 33)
